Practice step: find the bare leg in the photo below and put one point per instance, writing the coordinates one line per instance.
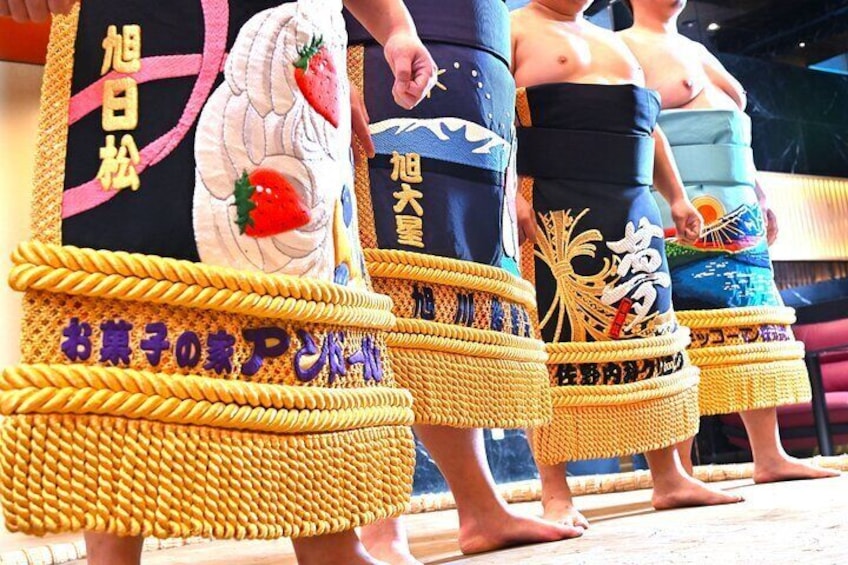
(771, 462)
(335, 549)
(109, 549)
(684, 450)
(557, 501)
(387, 541)
(673, 488)
(485, 522)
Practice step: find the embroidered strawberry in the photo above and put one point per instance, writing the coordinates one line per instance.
(316, 76)
(267, 204)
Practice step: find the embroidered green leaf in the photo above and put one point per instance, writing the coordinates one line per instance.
(244, 202)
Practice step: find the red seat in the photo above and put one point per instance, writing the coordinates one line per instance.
(797, 426)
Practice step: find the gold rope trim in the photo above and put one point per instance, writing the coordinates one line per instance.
(528, 256)
(128, 477)
(729, 389)
(459, 390)
(698, 319)
(362, 173)
(522, 108)
(135, 277)
(52, 145)
(594, 422)
(747, 353)
(390, 263)
(618, 350)
(76, 389)
(421, 334)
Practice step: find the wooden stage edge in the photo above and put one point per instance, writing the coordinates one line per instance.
(778, 523)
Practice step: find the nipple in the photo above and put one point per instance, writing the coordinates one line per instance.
(689, 83)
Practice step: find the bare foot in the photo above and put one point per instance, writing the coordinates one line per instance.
(686, 492)
(563, 512)
(504, 529)
(343, 547)
(386, 540)
(789, 469)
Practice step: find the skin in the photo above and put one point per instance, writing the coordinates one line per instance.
(34, 10)
(685, 73)
(552, 42)
(389, 22)
(485, 521)
(688, 76)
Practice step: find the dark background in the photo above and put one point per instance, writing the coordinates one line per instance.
(792, 58)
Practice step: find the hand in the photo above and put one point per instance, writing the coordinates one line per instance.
(359, 126)
(413, 67)
(687, 220)
(526, 220)
(34, 10)
(772, 228)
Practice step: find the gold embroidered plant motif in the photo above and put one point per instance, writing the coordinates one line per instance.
(615, 302)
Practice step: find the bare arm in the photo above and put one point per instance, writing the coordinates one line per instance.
(719, 76)
(34, 10)
(666, 176)
(390, 24)
(769, 216)
(382, 18)
(667, 181)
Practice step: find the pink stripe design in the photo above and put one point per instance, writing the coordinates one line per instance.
(152, 69)
(216, 21)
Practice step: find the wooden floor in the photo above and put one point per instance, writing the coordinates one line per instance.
(803, 522)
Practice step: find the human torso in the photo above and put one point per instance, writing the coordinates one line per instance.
(674, 66)
(550, 51)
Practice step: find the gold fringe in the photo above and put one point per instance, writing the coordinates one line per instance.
(462, 376)
(612, 420)
(737, 377)
(727, 389)
(458, 390)
(126, 477)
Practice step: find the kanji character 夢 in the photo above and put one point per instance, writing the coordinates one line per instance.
(638, 258)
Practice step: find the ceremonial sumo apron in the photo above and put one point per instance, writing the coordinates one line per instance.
(724, 284)
(438, 223)
(202, 355)
(620, 379)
